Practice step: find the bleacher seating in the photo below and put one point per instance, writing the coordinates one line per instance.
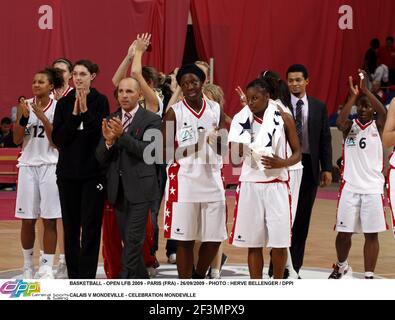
(8, 161)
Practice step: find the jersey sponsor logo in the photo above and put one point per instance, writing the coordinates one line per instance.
(186, 134)
(350, 142)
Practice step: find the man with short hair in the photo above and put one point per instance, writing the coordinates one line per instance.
(131, 180)
(311, 118)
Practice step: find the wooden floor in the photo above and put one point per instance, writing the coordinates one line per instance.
(320, 248)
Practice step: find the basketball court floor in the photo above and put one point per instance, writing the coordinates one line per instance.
(319, 257)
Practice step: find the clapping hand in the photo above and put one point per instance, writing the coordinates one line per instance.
(142, 42)
(24, 108)
(38, 110)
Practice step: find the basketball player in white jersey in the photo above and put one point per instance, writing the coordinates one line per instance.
(389, 142)
(279, 92)
(195, 195)
(361, 201)
(37, 195)
(263, 209)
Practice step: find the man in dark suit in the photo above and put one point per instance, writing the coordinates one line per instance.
(131, 176)
(311, 117)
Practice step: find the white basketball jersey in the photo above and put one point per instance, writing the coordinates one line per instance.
(363, 159)
(195, 179)
(36, 149)
(250, 171)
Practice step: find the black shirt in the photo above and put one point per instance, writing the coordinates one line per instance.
(77, 144)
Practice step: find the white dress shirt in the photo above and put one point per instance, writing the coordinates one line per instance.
(305, 121)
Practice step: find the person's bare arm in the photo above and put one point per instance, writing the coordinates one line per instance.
(389, 128)
(150, 97)
(123, 67)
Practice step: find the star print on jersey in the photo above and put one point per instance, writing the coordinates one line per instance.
(246, 126)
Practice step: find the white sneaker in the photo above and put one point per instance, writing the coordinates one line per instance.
(215, 274)
(61, 271)
(27, 273)
(45, 272)
(152, 273)
(340, 272)
(172, 258)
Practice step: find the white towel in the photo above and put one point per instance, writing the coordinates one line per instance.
(240, 129)
(272, 128)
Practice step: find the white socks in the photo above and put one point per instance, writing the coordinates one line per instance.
(27, 258)
(47, 260)
(62, 259)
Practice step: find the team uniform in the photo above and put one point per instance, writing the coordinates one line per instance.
(262, 215)
(361, 200)
(195, 196)
(38, 194)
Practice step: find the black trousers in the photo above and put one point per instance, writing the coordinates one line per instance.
(132, 222)
(82, 204)
(300, 229)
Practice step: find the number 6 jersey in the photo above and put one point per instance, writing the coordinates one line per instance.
(36, 148)
(363, 159)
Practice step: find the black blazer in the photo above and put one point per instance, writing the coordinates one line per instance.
(125, 160)
(320, 139)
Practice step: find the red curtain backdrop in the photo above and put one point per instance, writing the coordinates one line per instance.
(98, 30)
(244, 38)
(247, 37)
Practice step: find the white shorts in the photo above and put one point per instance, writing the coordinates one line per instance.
(295, 179)
(262, 216)
(37, 193)
(188, 221)
(391, 195)
(360, 213)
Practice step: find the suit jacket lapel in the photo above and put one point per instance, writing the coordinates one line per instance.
(312, 120)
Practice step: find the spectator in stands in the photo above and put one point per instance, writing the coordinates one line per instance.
(377, 91)
(14, 109)
(6, 134)
(370, 63)
(381, 74)
(386, 55)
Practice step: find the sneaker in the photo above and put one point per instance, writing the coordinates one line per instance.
(172, 259)
(44, 272)
(152, 272)
(214, 274)
(293, 274)
(61, 271)
(371, 278)
(27, 273)
(339, 272)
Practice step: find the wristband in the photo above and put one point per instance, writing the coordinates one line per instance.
(23, 121)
